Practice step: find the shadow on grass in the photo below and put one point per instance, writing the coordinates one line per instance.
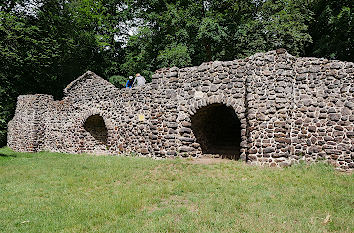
(7, 155)
(7, 152)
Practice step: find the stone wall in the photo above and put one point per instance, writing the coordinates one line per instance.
(269, 109)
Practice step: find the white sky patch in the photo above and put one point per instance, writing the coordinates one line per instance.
(127, 29)
(28, 7)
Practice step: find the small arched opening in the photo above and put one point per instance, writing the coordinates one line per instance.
(218, 130)
(97, 128)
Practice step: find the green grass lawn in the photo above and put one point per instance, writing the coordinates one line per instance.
(52, 192)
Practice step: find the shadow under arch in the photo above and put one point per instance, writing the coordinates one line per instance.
(96, 126)
(218, 130)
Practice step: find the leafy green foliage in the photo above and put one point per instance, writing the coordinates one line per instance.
(332, 30)
(277, 24)
(118, 81)
(174, 55)
(198, 31)
(138, 60)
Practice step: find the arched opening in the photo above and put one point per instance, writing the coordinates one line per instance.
(96, 127)
(218, 130)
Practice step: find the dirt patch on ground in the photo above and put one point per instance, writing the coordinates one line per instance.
(208, 160)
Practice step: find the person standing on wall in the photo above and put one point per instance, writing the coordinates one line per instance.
(139, 80)
(129, 82)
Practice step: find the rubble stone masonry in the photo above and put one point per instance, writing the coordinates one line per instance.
(269, 109)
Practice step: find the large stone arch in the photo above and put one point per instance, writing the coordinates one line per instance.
(87, 113)
(94, 128)
(237, 105)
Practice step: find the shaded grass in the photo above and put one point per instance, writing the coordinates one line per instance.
(52, 192)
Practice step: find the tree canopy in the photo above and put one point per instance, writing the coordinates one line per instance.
(45, 44)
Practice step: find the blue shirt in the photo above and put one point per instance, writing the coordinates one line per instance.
(129, 83)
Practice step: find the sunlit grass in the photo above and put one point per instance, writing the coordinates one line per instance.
(52, 192)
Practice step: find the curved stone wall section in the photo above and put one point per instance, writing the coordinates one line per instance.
(285, 109)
